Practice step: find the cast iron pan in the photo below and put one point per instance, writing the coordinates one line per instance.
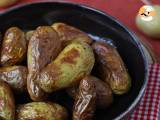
(101, 27)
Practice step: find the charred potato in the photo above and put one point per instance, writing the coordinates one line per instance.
(72, 64)
(14, 47)
(85, 102)
(43, 47)
(41, 111)
(103, 91)
(110, 67)
(68, 33)
(15, 76)
(7, 106)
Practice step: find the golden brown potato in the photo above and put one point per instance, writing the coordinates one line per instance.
(7, 105)
(110, 67)
(103, 91)
(85, 102)
(14, 47)
(41, 111)
(43, 47)
(15, 76)
(68, 33)
(5, 3)
(71, 65)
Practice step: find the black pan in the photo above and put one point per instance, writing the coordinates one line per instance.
(100, 26)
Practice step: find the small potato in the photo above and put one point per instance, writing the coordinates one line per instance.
(7, 105)
(43, 47)
(15, 76)
(41, 111)
(14, 47)
(72, 64)
(110, 67)
(68, 33)
(103, 91)
(5, 3)
(85, 102)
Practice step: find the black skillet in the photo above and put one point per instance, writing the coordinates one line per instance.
(100, 26)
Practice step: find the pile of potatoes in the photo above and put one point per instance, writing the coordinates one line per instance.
(59, 57)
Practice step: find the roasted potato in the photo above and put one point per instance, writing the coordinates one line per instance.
(68, 33)
(103, 91)
(15, 76)
(110, 67)
(71, 65)
(41, 111)
(7, 105)
(14, 47)
(43, 47)
(85, 102)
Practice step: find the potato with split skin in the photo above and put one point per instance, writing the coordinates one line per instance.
(71, 65)
(103, 92)
(41, 111)
(14, 47)
(110, 68)
(44, 46)
(85, 102)
(16, 77)
(7, 105)
(68, 33)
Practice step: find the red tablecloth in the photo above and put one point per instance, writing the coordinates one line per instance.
(123, 10)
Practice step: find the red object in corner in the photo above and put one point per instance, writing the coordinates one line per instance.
(124, 10)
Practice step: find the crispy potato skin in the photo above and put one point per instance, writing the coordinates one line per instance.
(69, 33)
(41, 111)
(110, 67)
(71, 65)
(7, 105)
(103, 92)
(43, 47)
(16, 77)
(85, 102)
(14, 47)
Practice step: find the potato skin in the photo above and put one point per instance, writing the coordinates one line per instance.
(7, 106)
(68, 33)
(71, 65)
(16, 77)
(41, 111)
(43, 47)
(14, 47)
(85, 102)
(103, 92)
(29, 35)
(110, 67)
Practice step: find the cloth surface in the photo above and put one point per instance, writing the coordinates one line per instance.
(149, 106)
(125, 11)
